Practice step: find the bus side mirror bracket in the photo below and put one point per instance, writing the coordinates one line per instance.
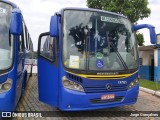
(151, 29)
(54, 26)
(16, 22)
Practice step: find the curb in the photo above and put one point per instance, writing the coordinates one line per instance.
(157, 93)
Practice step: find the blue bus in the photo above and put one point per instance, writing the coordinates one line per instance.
(15, 47)
(89, 60)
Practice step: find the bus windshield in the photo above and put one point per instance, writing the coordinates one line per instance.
(5, 48)
(98, 41)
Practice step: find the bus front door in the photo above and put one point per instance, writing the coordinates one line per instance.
(47, 70)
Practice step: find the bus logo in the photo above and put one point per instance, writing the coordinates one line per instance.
(108, 86)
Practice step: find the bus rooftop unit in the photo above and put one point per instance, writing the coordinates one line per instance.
(15, 47)
(89, 60)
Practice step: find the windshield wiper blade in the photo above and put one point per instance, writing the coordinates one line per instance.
(119, 56)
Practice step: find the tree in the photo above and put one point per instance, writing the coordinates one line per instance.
(140, 39)
(35, 55)
(133, 9)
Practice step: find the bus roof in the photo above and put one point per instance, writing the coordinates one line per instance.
(11, 3)
(90, 9)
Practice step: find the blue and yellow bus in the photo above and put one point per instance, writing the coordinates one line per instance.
(89, 60)
(15, 46)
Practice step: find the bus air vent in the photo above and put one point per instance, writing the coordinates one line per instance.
(74, 77)
(99, 101)
(100, 89)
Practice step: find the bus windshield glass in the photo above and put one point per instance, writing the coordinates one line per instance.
(98, 41)
(5, 48)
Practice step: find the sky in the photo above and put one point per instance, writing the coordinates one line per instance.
(37, 14)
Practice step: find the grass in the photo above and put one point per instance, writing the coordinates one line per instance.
(149, 84)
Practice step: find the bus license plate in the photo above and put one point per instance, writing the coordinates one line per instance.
(108, 97)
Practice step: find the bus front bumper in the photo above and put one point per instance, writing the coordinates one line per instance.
(76, 101)
(6, 101)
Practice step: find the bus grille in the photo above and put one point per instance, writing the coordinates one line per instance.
(100, 89)
(99, 101)
(74, 77)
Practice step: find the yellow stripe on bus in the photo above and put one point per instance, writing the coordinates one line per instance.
(103, 77)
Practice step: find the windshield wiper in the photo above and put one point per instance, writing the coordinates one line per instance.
(119, 56)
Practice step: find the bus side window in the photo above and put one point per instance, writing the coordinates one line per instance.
(28, 41)
(20, 44)
(26, 33)
(24, 36)
(32, 47)
(47, 47)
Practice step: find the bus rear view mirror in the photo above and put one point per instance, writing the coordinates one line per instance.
(16, 22)
(158, 38)
(151, 30)
(54, 26)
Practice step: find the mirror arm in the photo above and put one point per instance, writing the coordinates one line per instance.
(151, 29)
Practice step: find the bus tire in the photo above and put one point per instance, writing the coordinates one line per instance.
(24, 82)
(31, 71)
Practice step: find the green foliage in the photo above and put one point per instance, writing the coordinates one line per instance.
(35, 55)
(134, 9)
(150, 84)
(140, 39)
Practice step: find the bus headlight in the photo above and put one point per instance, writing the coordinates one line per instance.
(71, 85)
(6, 86)
(133, 83)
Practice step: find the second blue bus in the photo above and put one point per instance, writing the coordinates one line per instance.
(15, 47)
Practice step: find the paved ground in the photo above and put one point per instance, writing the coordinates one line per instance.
(30, 102)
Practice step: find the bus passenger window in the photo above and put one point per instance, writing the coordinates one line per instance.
(20, 45)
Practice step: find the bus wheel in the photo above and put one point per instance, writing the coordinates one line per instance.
(24, 82)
